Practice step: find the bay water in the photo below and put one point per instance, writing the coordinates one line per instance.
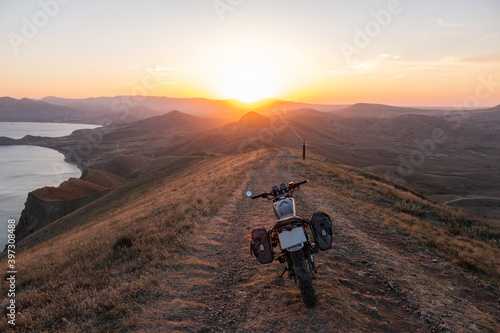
(26, 168)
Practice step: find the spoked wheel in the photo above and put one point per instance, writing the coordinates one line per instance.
(304, 278)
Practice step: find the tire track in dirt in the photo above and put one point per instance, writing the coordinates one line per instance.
(247, 296)
(236, 303)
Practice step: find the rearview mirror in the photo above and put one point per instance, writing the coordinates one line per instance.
(249, 193)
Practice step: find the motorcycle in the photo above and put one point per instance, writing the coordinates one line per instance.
(289, 232)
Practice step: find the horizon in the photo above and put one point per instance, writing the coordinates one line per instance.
(256, 105)
(399, 53)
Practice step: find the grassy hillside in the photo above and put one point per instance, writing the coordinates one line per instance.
(94, 269)
(101, 268)
(448, 232)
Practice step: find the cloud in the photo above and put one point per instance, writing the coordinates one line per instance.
(443, 23)
(485, 59)
(490, 36)
(366, 66)
(386, 56)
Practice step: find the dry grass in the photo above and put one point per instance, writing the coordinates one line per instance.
(102, 268)
(448, 232)
(95, 269)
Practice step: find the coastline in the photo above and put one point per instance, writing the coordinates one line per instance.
(16, 199)
(67, 155)
(6, 141)
(26, 169)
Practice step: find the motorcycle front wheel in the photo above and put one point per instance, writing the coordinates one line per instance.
(304, 278)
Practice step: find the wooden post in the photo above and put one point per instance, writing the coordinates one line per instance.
(304, 150)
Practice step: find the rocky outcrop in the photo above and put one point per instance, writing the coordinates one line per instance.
(47, 204)
(38, 213)
(5, 141)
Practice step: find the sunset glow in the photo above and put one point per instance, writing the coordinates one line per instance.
(394, 52)
(248, 83)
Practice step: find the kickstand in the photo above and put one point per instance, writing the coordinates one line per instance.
(281, 275)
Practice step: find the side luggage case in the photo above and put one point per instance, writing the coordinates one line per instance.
(321, 226)
(261, 245)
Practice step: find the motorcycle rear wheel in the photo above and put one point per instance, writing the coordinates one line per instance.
(304, 278)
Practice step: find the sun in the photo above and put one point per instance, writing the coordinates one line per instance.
(248, 82)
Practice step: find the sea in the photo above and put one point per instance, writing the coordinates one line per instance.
(26, 168)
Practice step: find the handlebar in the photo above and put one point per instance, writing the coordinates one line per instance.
(262, 195)
(298, 184)
(290, 186)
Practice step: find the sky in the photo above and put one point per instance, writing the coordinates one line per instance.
(399, 52)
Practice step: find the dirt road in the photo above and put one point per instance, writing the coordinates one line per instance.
(373, 280)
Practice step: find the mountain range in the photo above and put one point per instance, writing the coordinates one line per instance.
(120, 109)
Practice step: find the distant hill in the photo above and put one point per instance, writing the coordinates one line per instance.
(224, 109)
(27, 110)
(53, 109)
(117, 109)
(485, 118)
(175, 121)
(382, 110)
(252, 131)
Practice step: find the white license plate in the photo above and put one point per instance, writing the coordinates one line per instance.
(291, 238)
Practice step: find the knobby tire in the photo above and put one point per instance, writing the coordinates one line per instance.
(304, 278)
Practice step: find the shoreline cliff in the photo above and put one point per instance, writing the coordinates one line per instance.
(47, 204)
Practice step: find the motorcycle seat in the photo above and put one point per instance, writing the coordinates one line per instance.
(286, 221)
